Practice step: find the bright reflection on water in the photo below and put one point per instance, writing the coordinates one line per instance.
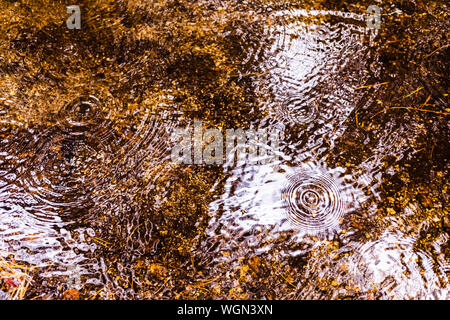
(307, 195)
(312, 77)
(389, 268)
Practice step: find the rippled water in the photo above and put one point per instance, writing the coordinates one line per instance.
(354, 205)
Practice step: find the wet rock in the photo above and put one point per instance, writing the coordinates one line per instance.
(390, 211)
(237, 293)
(158, 270)
(71, 294)
(446, 223)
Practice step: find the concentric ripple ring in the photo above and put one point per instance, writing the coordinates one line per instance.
(296, 109)
(313, 202)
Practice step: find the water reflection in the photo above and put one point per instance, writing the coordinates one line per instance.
(315, 200)
(86, 177)
(388, 268)
(311, 195)
(314, 70)
(59, 179)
